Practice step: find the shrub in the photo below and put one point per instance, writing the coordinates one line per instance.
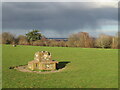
(22, 40)
(7, 38)
(0, 38)
(103, 41)
(38, 43)
(81, 39)
(62, 43)
(53, 43)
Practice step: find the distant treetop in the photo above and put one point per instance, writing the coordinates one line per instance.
(34, 35)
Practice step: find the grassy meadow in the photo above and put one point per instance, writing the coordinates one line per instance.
(88, 68)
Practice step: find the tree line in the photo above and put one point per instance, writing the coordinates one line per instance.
(81, 39)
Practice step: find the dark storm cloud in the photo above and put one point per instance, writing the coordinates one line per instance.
(0, 17)
(61, 17)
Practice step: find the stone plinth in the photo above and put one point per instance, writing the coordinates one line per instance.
(42, 61)
(51, 65)
(33, 65)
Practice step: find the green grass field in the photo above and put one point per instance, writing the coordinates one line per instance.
(88, 68)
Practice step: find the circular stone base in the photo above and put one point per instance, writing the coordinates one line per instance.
(25, 69)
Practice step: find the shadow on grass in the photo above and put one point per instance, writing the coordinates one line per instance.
(12, 67)
(62, 64)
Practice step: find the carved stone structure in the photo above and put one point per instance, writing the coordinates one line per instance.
(42, 61)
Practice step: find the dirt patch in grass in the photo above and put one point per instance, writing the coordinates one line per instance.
(25, 69)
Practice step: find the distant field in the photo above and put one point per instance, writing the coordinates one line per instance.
(88, 68)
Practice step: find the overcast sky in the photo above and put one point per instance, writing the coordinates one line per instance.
(60, 19)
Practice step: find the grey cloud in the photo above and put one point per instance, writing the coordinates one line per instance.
(60, 17)
(0, 17)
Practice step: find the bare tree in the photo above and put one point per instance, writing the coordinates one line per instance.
(22, 40)
(104, 41)
(114, 42)
(53, 43)
(0, 38)
(7, 38)
(81, 39)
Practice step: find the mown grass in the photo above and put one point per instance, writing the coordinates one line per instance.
(88, 68)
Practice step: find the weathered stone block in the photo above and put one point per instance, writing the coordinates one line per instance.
(42, 61)
(42, 56)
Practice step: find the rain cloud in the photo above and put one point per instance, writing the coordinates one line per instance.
(61, 18)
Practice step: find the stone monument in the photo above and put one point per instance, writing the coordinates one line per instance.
(42, 61)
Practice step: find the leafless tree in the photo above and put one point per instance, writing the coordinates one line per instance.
(22, 40)
(81, 39)
(104, 41)
(7, 38)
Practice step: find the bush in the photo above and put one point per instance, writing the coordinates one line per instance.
(53, 43)
(81, 39)
(0, 38)
(22, 40)
(114, 43)
(38, 43)
(103, 41)
(7, 38)
(62, 43)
